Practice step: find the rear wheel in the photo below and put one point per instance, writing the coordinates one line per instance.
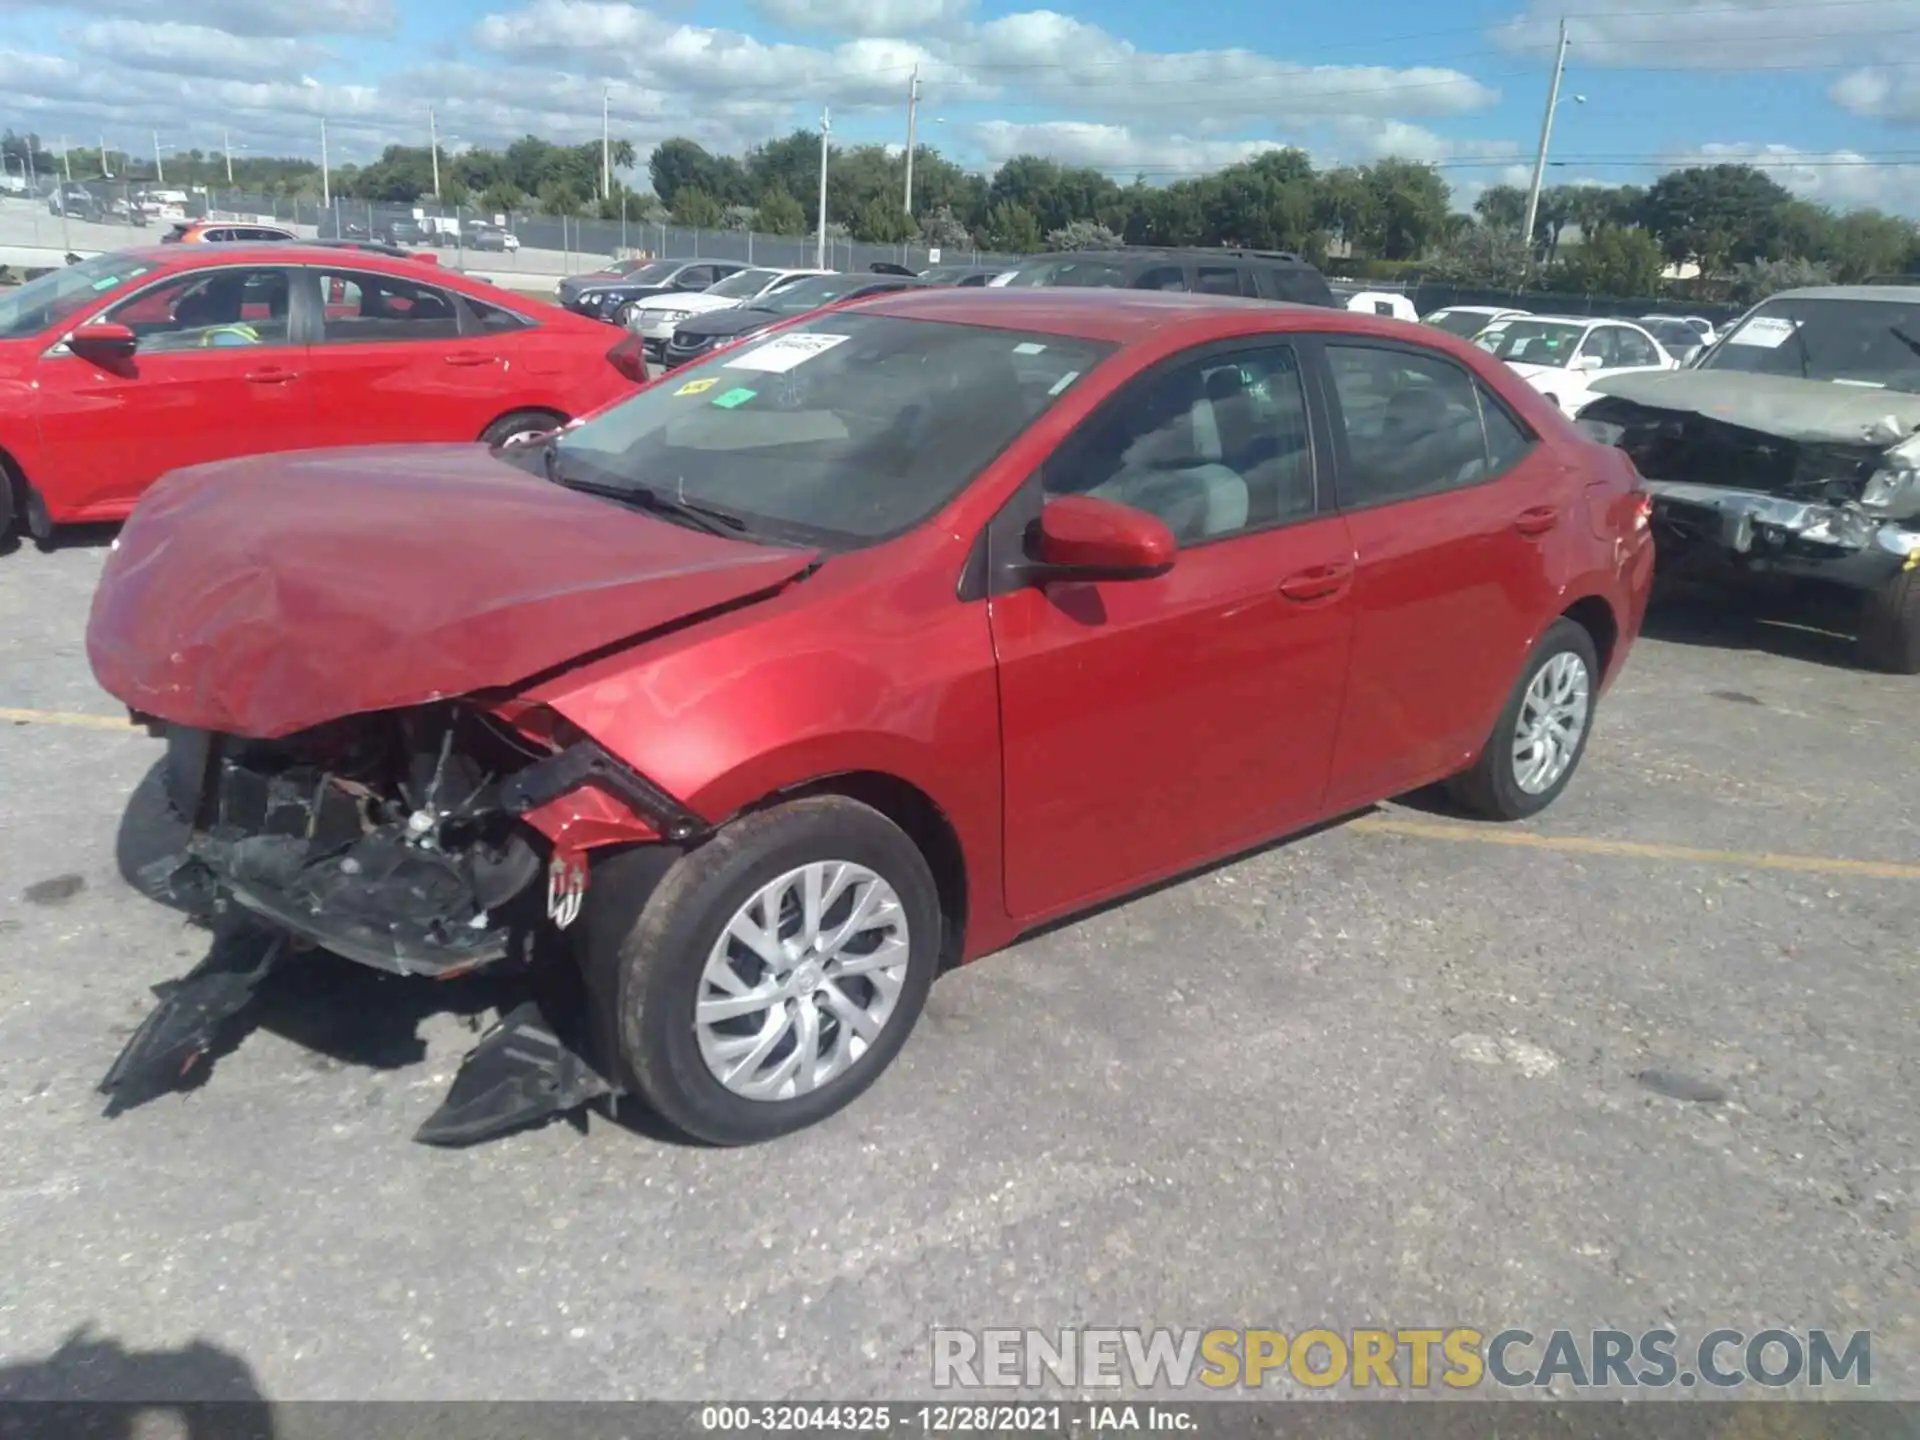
(1542, 732)
(1890, 626)
(772, 973)
(520, 426)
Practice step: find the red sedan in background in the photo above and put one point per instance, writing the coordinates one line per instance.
(854, 651)
(123, 367)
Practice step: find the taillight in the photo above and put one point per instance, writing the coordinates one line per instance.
(629, 357)
(1642, 511)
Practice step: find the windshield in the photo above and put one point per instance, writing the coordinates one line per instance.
(636, 269)
(1533, 342)
(1674, 334)
(743, 284)
(805, 295)
(1851, 342)
(1098, 273)
(1464, 323)
(60, 293)
(842, 430)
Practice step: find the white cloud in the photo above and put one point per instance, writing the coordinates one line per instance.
(173, 48)
(1844, 179)
(1882, 94)
(247, 17)
(1712, 34)
(1111, 147)
(865, 17)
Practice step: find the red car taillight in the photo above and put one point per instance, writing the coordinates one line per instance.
(1642, 511)
(629, 357)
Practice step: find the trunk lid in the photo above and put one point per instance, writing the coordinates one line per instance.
(265, 596)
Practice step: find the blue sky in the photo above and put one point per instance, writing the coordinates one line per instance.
(1825, 95)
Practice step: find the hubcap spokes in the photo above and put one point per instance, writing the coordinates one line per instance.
(1553, 717)
(802, 980)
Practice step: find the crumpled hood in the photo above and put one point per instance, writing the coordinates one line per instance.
(264, 596)
(1814, 411)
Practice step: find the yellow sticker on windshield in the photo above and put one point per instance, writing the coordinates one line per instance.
(696, 387)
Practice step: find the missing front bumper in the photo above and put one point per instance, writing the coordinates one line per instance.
(1843, 544)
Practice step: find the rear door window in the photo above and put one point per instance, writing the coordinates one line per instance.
(364, 306)
(1162, 277)
(1216, 279)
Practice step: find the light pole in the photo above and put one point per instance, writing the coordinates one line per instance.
(913, 112)
(433, 143)
(66, 159)
(226, 144)
(1546, 136)
(606, 143)
(820, 246)
(159, 172)
(326, 175)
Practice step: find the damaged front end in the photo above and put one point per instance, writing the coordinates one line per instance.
(431, 841)
(1729, 497)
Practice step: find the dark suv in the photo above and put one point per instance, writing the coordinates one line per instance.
(1256, 274)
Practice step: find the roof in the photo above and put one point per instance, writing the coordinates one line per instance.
(1890, 294)
(1122, 316)
(1480, 310)
(263, 252)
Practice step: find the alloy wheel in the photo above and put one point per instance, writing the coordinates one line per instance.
(802, 980)
(1553, 718)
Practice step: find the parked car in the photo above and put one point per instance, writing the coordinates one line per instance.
(1562, 355)
(851, 653)
(1683, 341)
(696, 336)
(1788, 454)
(605, 295)
(963, 275)
(404, 231)
(654, 320)
(128, 365)
(76, 202)
(224, 232)
(1467, 321)
(1261, 274)
(482, 236)
(1384, 302)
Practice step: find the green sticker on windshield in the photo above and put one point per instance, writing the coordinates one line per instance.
(735, 397)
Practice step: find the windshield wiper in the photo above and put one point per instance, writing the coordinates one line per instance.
(643, 497)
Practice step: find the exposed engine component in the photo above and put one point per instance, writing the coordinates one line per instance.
(381, 838)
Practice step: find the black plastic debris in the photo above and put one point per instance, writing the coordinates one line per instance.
(182, 1029)
(521, 1073)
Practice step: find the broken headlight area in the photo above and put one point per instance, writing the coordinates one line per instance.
(381, 838)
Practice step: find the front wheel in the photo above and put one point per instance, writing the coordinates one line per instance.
(520, 427)
(1542, 732)
(773, 972)
(1890, 626)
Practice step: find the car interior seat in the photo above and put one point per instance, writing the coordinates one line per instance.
(1172, 464)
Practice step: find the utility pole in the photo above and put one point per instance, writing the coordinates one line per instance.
(159, 175)
(66, 159)
(1546, 135)
(326, 183)
(820, 247)
(226, 143)
(433, 143)
(606, 143)
(33, 179)
(913, 114)
(105, 173)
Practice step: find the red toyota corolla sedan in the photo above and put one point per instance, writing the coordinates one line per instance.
(123, 367)
(854, 651)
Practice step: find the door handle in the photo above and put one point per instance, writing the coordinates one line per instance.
(467, 357)
(1317, 583)
(269, 375)
(1537, 521)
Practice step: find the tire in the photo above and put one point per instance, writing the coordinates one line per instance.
(1495, 787)
(646, 978)
(1890, 626)
(520, 425)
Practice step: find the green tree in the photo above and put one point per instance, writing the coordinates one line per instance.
(942, 230)
(1013, 229)
(1866, 243)
(1502, 207)
(1753, 280)
(502, 198)
(697, 210)
(882, 221)
(678, 165)
(1083, 235)
(1348, 206)
(1411, 202)
(1613, 261)
(1716, 215)
(1484, 256)
(559, 198)
(780, 214)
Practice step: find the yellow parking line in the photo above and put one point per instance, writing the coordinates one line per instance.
(72, 719)
(1371, 825)
(1634, 849)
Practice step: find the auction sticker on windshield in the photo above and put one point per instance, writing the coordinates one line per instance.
(696, 387)
(784, 352)
(1767, 331)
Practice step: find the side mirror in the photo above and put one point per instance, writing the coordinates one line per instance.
(1081, 537)
(103, 343)
(1586, 362)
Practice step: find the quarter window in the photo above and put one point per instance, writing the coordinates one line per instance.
(208, 310)
(1213, 446)
(1162, 277)
(1412, 423)
(364, 307)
